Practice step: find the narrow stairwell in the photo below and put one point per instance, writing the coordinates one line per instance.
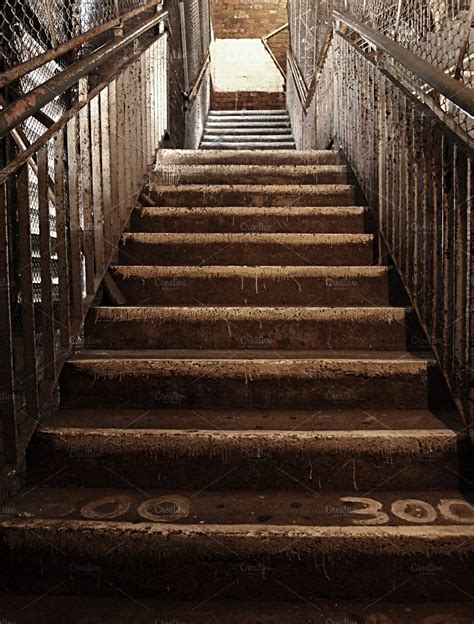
(248, 130)
(261, 420)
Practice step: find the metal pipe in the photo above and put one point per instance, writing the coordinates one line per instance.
(33, 101)
(20, 70)
(456, 92)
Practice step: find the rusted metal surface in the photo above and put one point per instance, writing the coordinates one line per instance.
(90, 167)
(33, 101)
(417, 175)
(438, 80)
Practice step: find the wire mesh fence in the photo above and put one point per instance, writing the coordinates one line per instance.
(439, 31)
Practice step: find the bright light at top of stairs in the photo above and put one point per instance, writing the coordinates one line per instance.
(243, 65)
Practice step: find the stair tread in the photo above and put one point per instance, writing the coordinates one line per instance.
(254, 419)
(276, 271)
(242, 513)
(235, 312)
(259, 356)
(290, 211)
(57, 609)
(302, 238)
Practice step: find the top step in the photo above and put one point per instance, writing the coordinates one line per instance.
(173, 157)
(248, 112)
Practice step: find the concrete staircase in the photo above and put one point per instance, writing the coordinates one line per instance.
(248, 130)
(255, 415)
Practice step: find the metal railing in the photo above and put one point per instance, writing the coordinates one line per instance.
(415, 167)
(440, 32)
(64, 201)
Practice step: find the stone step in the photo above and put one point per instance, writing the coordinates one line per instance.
(249, 327)
(316, 461)
(335, 419)
(263, 285)
(250, 174)
(242, 219)
(253, 379)
(248, 113)
(54, 609)
(213, 157)
(248, 145)
(268, 136)
(255, 195)
(405, 554)
(267, 130)
(231, 123)
(247, 249)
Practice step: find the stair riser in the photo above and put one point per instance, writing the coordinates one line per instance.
(151, 332)
(178, 566)
(214, 126)
(221, 130)
(248, 145)
(192, 222)
(335, 195)
(325, 291)
(198, 157)
(149, 459)
(83, 387)
(135, 251)
(218, 175)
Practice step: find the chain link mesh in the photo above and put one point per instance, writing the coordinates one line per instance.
(439, 31)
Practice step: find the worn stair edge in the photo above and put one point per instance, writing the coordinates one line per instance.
(359, 461)
(246, 248)
(337, 419)
(253, 327)
(324, 220)
(247, 145)
(253, 379)
(190, 157)
(175, 560)
(250, 175)
(121, 610)
(255, 195)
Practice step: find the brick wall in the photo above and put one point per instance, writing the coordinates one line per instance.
(251, 100)
(247, 19)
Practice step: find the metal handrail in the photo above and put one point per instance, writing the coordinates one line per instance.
(461, 95)
(24, 68)
(31, 102)
(452, 89)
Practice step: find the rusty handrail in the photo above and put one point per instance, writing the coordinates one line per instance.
(10, 75)
(461, 95)
(193, 92)
(31, 102)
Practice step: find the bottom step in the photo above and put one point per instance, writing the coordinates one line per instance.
(194, 545)
(37, 609)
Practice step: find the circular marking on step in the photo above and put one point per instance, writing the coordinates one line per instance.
(412, 510)
(456, 510)
(106, 507)
(165, 509)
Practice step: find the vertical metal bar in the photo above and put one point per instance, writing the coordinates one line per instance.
(96, 180)
(74, 220)
(114, 171)
(7, 384)
(120, 143)
(85, 170)
(47, 312)
(26, 289)
(461, 269)
(106, 175)
(62, 247)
